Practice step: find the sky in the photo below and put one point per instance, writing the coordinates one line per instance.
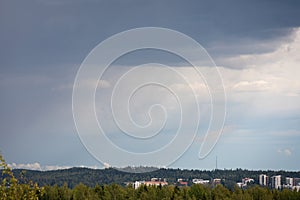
(255, 46)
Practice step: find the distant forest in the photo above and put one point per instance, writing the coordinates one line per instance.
(93, 177)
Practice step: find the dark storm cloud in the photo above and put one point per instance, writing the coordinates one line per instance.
(44, 33)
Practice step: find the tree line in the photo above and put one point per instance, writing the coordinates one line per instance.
(196, 191)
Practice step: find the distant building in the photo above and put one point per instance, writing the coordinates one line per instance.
(263, 180)
(153, 182)
(276, 182)
(296, 182)
(240, 184)
(297, 188)
(182, 182)
(137, 184)
(200, 181)
(289, 181)
(155, 179)
(245, 182)
(180, 179)
(217, 181)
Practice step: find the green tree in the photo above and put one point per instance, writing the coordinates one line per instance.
(220, 193)
(240, 194)
(11, 189)
(260, 193)
(200, 191)
(81, 192)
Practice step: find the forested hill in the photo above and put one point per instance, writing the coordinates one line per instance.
(91, 177)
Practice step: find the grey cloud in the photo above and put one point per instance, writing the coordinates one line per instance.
(37, 33)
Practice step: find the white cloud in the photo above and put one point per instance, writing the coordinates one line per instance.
(54, 167)
(32, 166)
(276, 72)
(251, 86)
(106, 165)
(286, 152)
(39, 167)
(267, 83)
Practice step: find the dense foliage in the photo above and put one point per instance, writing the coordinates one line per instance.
(10, 187)
(196, 191)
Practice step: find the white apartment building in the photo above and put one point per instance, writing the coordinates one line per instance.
(200, 181)
(263, 180)
(276, 182)
(289, 181)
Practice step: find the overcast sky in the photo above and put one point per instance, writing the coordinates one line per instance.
(255, 45)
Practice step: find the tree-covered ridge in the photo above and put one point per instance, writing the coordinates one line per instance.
(92, 177)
